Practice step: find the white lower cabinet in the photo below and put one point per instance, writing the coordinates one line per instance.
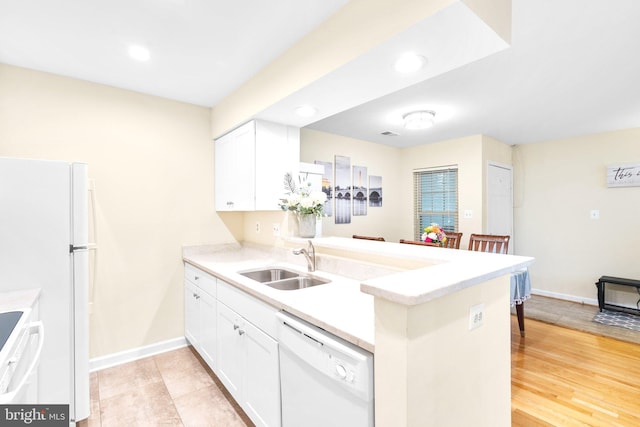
(233, 331)
(248, 363)
(230, 330)
(261, 385)
(200, 313)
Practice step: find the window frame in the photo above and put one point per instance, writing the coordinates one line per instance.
(445, 193)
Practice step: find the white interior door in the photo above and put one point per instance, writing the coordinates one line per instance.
(500, 201)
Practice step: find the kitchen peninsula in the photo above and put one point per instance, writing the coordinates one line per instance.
(410, 306)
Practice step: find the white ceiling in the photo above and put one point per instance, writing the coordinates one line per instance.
(201, 50)
(573, 67)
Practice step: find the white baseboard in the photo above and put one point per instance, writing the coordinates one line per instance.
(115, 359)
(573, 298)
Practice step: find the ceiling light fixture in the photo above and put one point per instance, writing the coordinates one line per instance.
(139, 53)
(409, 62)
(306, 111)
(419, 119)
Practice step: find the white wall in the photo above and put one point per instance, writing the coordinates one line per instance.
(151, 160)
(557, 184)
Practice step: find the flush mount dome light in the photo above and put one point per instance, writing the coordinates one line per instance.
(419, 119)
(306, 111)
(139, 53)
(409, 62)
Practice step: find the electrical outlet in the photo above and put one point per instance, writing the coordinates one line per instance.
(468, 214)
(257, 226)
(476, 316)
(276, 229)
(595, 214)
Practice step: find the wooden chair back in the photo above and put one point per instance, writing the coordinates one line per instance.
(489, 243)
(379, 239)
(453, 241)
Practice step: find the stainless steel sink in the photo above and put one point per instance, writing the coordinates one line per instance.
(294, 283)
(269, 274)
(283, 279)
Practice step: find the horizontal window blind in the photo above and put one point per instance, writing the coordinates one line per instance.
(435, 195)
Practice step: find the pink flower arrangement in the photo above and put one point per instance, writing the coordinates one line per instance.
(434, 234)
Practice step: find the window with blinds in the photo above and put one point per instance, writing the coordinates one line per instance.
(435, 195)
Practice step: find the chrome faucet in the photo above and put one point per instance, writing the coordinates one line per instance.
(309, 254)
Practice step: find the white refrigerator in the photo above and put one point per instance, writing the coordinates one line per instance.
(44, 244)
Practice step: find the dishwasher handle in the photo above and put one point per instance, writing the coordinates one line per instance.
(303, 336)
(34, 328)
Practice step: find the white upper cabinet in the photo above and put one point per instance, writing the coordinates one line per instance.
(250, 163)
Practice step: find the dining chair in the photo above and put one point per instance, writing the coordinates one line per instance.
(489, 243)
(520, 285)
(379, 239)
(453, 240)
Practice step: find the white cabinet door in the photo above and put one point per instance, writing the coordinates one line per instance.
(208, 330)
(230, 350)
(200, 310)
(223, 174)
(277, 152)
(191, 314)
(261, 385)
(235, 174)
(250, 163)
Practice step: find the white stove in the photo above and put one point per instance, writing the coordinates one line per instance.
(19, 356)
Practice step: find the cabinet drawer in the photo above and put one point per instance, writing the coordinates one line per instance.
(203, 280)
(255, 311)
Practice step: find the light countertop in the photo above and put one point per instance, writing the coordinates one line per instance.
(16, 300)
(405, 274)
(338, 307)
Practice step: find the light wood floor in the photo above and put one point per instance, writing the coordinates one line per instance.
(560, 376)
(566, 377)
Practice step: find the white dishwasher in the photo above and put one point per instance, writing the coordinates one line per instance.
(324, 380)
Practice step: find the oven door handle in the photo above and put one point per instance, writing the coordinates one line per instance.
(34, 328)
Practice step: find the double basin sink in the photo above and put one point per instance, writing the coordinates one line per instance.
(282, 278)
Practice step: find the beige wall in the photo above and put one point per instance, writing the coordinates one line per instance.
(413, 392)
(394, 220)
(379, 160)
(151, 160)
(557, 184)
(466, 153)
(471, 155)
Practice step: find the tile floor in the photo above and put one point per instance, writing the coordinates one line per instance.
(170, 389)
(178, 389)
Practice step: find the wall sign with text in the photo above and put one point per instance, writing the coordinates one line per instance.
(623, 175)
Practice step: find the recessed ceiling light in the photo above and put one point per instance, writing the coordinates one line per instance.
(139, 53)
(409, 62)
(419, 119)
(306, 111)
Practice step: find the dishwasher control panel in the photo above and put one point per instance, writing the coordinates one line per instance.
(343, 369)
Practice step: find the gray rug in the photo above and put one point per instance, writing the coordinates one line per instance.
(616, 318)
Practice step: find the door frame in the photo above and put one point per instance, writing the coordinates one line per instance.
(488, 212)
